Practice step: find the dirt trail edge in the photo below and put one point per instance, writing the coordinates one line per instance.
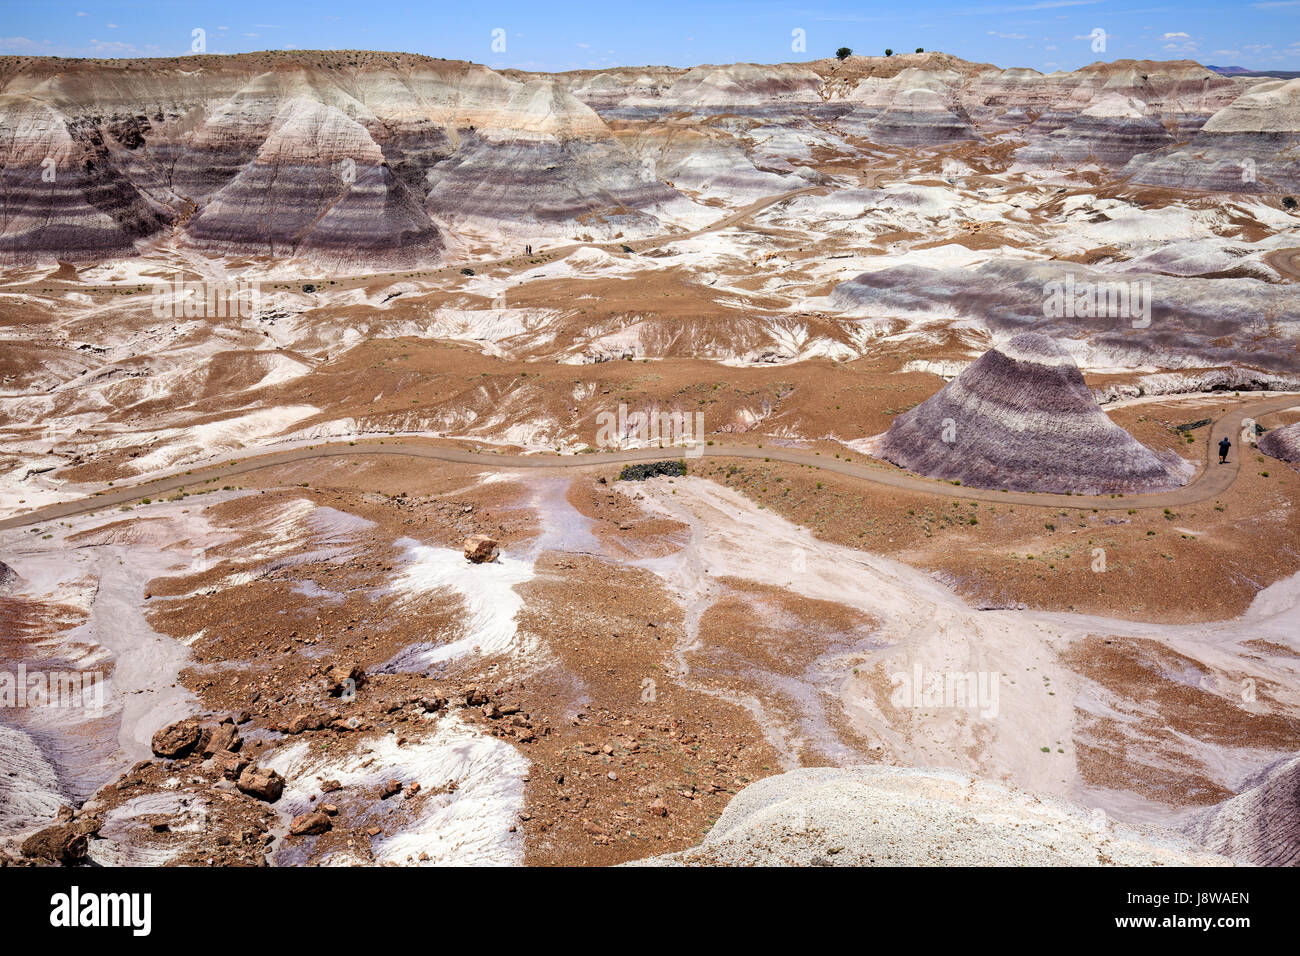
(1212, 480)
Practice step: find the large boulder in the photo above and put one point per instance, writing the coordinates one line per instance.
(344, 679)
(224, 737)
(61, 843)
(262, 783)
(480, 548)
(177, 740)
(229, 764)
(317, 821)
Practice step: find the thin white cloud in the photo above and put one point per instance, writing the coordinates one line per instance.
(114, 48)
(1030, 7)
(95, 48)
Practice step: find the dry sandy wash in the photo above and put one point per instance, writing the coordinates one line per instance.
(952, 572)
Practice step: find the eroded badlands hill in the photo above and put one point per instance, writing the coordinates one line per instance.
(1261, 825)
(1022, 418)
(794, 258)
(344, 158)
(891, 816)
(1283, 443)
(372, 161)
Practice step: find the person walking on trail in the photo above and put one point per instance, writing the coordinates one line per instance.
(1224, 445)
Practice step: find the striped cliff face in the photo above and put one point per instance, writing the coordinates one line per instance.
(913, 117)
(358, 161)
(1259, 825)
(1022, 418)
(66, 191)
(318, 186)
(548, 167)
(1111, 133)
(1251, 146)
(915, 108)
(1181, 93)
(351, 165)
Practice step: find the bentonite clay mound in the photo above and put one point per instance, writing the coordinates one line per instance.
(339, 157)
(1249, 146)
(1111, 132)
(1283, 443)
(1260, 825)
(1022, 418)
(895, 816)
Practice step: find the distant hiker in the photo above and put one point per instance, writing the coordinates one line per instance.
(1224, 445)
(528, 250)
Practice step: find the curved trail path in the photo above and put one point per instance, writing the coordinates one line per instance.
(1212, 481)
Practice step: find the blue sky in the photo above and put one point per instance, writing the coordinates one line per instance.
(559, 35)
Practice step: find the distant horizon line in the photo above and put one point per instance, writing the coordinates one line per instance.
(1214, 68)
